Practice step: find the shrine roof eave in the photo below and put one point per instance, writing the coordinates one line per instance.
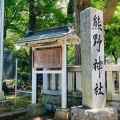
(51, 36)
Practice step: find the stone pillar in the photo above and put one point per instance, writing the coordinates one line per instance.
(64, 76)
(110, 84)
(45, 80)
(34, 82)
(92, 51)
(69, 81)
(78, 81)
(1, 40)
(53, 81)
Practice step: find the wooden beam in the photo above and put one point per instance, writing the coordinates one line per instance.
(49, 71)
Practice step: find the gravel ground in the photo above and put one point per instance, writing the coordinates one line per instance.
(47, 116)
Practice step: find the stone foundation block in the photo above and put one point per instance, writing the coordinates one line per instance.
(119, 112)
(36, 109)
(62, 114)
(80, 113)
(2, 96)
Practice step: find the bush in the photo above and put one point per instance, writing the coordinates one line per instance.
(21, 82)
(25, 76)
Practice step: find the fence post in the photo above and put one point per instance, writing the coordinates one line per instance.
(16, 83)
(109, 85)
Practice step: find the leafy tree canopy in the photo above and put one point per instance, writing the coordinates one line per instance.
(112, 36)
(16, 22)
(48, 15)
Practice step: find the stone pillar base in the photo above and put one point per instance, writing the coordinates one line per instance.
(81, 113)
(62, 114)
(36, 109)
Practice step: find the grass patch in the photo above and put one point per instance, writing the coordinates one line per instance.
(21, 102)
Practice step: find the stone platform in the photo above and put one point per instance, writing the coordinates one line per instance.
(80, 113)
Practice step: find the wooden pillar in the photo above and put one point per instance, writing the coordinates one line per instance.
(34, 82)
(64, 75)
(60, 81)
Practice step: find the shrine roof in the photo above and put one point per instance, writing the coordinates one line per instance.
(50, 35)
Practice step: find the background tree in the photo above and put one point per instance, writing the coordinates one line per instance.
(15, 18)
(112, 36)
(79, 5)
(34, 15)
(30, 15)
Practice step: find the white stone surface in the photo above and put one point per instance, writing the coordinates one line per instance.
(51, 92)
(53, 81)
(64, 76)
(34, 86)
(78, 81)
(2, 96)
(34, 82)
(79, 113)
(116, 97)
(45, 80)
(110, 85)
(92, 50)
(70, 81)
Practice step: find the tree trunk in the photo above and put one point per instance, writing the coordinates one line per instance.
(78, 7)
(109, 10)
(32, 23)
(5, 32)
(70, 9)
(32, 15)
(116, 59)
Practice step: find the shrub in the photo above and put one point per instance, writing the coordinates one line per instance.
(25, 76)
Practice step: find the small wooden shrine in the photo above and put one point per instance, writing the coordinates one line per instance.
(49, 48)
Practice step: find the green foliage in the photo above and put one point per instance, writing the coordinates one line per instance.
(16, 23)
(23, 59)
(48, 14)
(112, 36)
(25, 76)
(16, 19)
(21, 82)
(71, 55)
(99, 4)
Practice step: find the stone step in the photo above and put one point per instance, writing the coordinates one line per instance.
(36, 109)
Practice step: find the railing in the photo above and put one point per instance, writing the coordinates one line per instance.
(112, 78)
(52, 84)
(113, 82)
